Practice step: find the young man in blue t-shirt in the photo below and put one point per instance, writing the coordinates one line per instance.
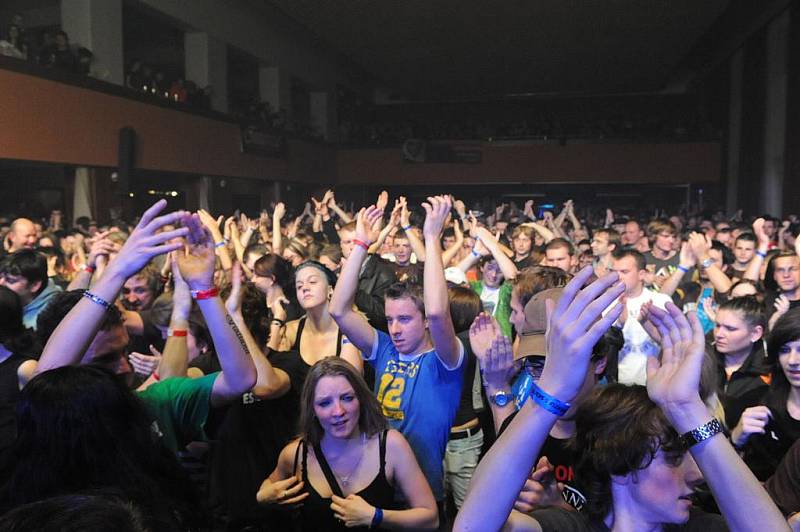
(418, 365)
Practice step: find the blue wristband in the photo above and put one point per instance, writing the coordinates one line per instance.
(761, 254)
(406, 228)
(377, 519)
(474, 253)
(219, 244)
(548, 402)
(683, 268)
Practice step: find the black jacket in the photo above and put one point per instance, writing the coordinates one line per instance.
(376, 276)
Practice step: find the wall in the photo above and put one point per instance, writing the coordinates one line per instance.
(542, 163)
(58, 123)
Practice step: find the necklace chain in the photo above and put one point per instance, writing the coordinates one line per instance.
(346, 479)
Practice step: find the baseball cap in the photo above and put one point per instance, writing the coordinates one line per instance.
(532, 337)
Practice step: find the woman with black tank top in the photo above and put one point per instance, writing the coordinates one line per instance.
(315, 335)
(343, 471)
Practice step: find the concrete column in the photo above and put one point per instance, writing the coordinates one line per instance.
(82, 196)
(274, 86)
(732, 203)
(207, 64)
(97, 25)
(323, 114)
(775, 115)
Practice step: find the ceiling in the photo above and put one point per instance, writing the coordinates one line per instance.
(433, 49)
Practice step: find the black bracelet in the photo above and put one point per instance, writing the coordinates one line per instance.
(279, 322)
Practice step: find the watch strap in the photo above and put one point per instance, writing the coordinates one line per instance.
(702, 433)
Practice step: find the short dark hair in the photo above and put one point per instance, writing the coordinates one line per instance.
(560, 243)
(405, 289)
(27, 263)
(370, 421)
(728, 257)
(531, 281)
(641, 263)
(746, 237)
(749, 307)
(613, 236)
(60, 305)
(619, 431)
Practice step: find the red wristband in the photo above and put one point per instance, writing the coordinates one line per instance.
(205, 294)
(177, 332)
(155, 376)
(361, 243)
(87, 268)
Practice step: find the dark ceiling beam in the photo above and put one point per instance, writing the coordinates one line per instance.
(727, 34)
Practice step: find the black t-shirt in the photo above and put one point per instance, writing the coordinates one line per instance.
(251, 437)
(769, 303)
(411, 272)
(466, 410)
(763, 452)
(564, 460)
(150, 335)
(662, 267)
(560, 520)
(784, 485)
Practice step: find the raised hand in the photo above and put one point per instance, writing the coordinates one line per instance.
(753, 421)
(458, 205)
(280, 210)
(196, 262)
(383, 200)
(368, 224)
(528, 210)
(482, 332)
(181, 295)
(710, 308)
(101, 246)
(210, 222)
(687, 258)
(437, 209)
(674, 382)
(575, 324)
(497, 364)
(146, 242)
(700, 244)
(758, 230)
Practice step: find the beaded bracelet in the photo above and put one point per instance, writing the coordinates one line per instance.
(97, 299)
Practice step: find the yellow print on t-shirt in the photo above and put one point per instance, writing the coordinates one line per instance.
(392, 385)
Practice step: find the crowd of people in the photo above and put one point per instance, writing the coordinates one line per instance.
(400, 367)
(52, 48)
(640, 120)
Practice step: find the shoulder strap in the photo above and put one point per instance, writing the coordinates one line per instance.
(300, 324)
(339, 337)
(382, 441)
(297, 456)
(326, 470)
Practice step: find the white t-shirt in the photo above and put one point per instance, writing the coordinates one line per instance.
(638, 344)
(489, 298)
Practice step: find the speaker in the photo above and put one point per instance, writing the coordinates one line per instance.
(126, 159)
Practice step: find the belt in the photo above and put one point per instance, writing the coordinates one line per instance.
(466, 433)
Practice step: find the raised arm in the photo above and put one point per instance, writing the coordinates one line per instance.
(496, 358)
(411, 232)
(76, 331)
(271, 382)
(452, 251)
(277, 236)
(545, 233)
(175, 357)
(100, 247)
(674, 386)
(575, 325)
(220, 246)
(343, 216)
(701, 245)
(353, 324)
(394, 219)
(503, 261)
(687, 262)
(196, 264)
(437, 306)
(753, 271)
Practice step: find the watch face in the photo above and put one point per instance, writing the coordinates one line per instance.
(501, 399)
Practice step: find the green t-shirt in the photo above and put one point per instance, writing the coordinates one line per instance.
(502, 309)
(180, 406)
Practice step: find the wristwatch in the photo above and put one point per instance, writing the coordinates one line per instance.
(707, 263)
(701, 433)
(501, 398)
